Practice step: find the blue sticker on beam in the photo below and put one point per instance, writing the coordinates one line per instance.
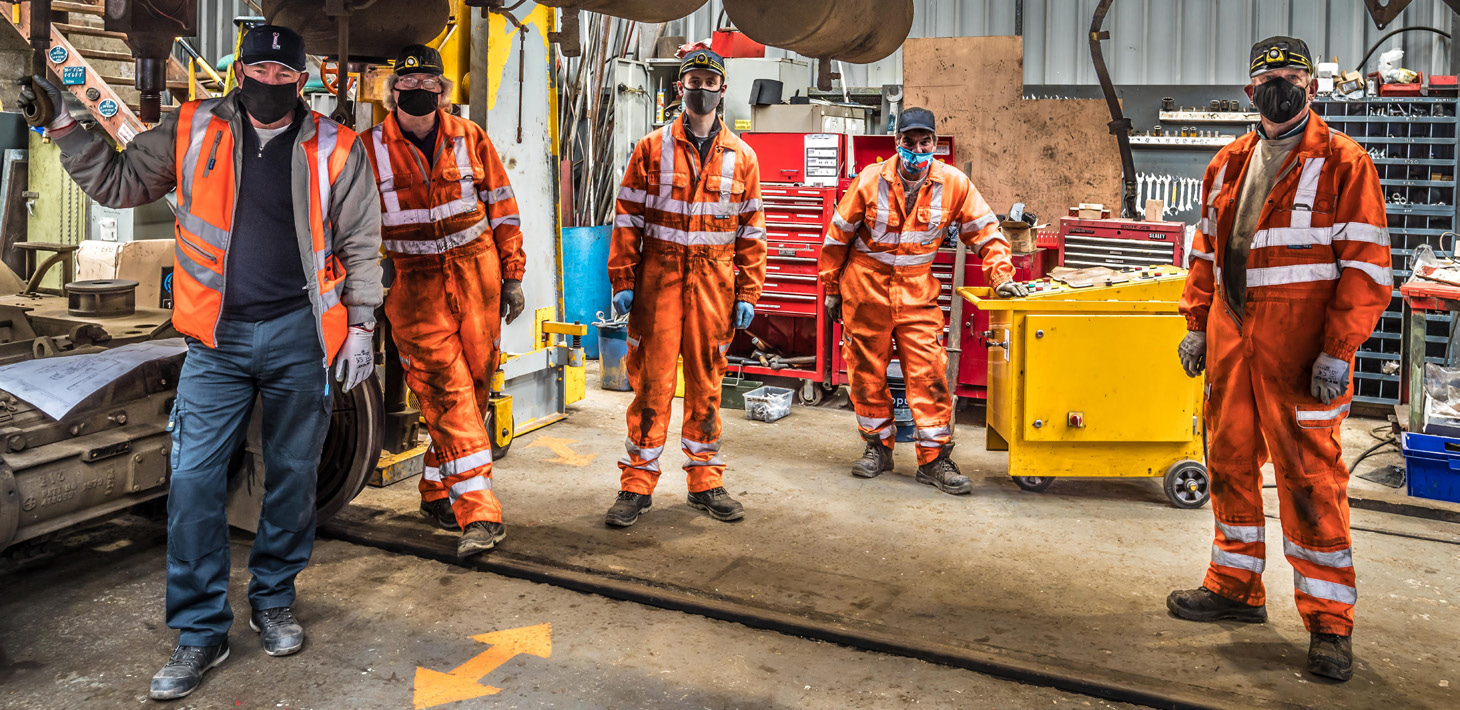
(58, 54)
(107, 108)
(73, 76)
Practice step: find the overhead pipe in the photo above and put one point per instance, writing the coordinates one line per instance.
(857, 31)
(40, 113)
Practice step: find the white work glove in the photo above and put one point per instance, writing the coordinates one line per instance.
(833, 303)
(1330, 378)
(1011, 289)
(356, 360)
(1193, 352)
(38, 96)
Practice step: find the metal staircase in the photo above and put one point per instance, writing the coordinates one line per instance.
(98, 72)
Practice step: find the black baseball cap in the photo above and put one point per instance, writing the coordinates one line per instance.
(702, 59)
(418, 59)
(914, 119)
(272, 43)
(1278, 52)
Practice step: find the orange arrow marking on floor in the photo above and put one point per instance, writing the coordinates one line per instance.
(565, 455)
(460, 683)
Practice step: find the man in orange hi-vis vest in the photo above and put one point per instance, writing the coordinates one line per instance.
(277, 278)
(1290, 272)
(876, 268)
(453, 233)
(689, 214)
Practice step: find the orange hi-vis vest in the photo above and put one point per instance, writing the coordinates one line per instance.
(207, 186)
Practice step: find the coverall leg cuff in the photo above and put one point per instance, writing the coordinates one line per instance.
(1254, 595)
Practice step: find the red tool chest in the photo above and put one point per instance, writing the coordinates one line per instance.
(1119, 244)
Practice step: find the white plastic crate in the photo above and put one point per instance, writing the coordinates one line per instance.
(767, 403)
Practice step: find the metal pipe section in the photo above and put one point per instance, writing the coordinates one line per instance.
(637, 10)
(858, 31)
(40, 113)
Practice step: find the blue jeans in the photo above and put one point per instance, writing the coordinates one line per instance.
(279, 361)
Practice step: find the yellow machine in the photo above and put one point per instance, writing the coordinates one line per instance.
(1084, 381)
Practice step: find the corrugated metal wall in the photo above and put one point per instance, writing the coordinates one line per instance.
(1152, 41)
(216, 31)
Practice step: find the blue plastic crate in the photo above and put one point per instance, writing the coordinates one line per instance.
(1433, 463)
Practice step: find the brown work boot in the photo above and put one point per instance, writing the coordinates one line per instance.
(1202, 604)
(1331, 656)
(718, 503)
(479, 537)
(875, 461)
(944, 474)
(439, 513)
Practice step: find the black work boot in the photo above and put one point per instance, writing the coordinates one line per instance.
(479, 537)
(184, 671)
(278, 631)
(1202, 604)
(627, 509)
(943, 473)
(718, 503)
(875, 461)
(1331, 656)
(439, 512)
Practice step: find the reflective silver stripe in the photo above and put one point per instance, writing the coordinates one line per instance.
(329, 298)
(197, 130)
(1239, 561)
(629, 220)
(1202, 255)
(1205, 226)
(387, 174)
(1307, 193)
(1300, 273)
(698, 447)
(666, 160)
(1291, 237)
(1360, 232)
(978, 224)
(873, 423)
(629, 194)
(1332, 591)
(845, 226)
(935, 202)
(432, 473)
(833, 241)
(1216, 186)
(475, 483)
(750, 232)
(727, 176)
(898, 259)
(1311, 416)
(882, 187)
(649, 456)
(700, 209)
(1242, 533)
(206, 231)
(395, 218)
(326, 133)
(933, 432)
(632, 341)
(679, 236)
(202, 274)
(513, 218)
(504, 192)
(1337, 559)
(713, 461)
(466, 463)
(995, 237)
(724, 347)
(754, 205)
(437, 246)
(1381, 275)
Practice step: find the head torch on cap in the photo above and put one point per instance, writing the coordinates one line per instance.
(1279, 52)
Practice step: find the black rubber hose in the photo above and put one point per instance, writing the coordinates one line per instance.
(1375, 46)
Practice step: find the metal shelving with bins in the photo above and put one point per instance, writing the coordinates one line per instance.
(1416, 160)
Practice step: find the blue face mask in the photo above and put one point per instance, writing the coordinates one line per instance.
(916, 161)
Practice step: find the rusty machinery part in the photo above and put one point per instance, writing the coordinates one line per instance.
(857, 31)
(151, 26)
(377, 28)
(101, 298)
(329, 75)
(1120, 125)
(40, 113)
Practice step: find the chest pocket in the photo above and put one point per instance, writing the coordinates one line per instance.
(723, 200)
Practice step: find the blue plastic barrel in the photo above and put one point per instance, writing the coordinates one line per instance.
(613, 355)
(585, 279)
(902, 417)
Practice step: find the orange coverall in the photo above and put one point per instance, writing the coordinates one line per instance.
(452, 230)
(878, 257)
(1318, 278)
(680, 232)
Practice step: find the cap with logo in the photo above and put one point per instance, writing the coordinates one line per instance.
(702, 59)
(272, 43)
(1278, 52)
(915, 118)
(418, 59)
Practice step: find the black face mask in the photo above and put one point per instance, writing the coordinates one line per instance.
(1278, 100)
(418, 102)
(701, 101)
(268, 103)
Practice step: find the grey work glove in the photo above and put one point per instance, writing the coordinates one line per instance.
(1193, 352)
(356, 360)
(512, 300)
(1330, 378)
(42, 104)
(1011, 289)
(833, 303)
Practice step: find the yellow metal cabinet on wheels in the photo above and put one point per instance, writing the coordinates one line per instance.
(1084, 381)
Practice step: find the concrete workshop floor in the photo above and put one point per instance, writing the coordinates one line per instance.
(85, 630)
(1073, 578)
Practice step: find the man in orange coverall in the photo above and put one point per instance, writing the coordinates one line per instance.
(689, 214)
(876, 270)
(1290, 272)
(452, 231)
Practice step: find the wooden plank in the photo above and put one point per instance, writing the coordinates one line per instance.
(81, 7)
(105, 56)
(88, 30)
(1048, 154)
